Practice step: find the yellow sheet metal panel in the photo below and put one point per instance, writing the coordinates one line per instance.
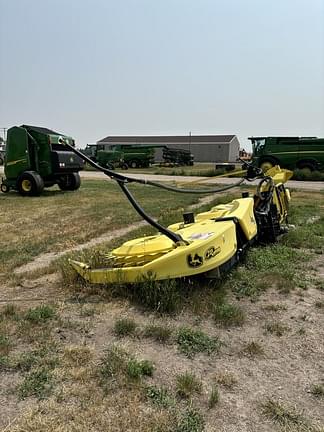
(210, 248)
(279, 175)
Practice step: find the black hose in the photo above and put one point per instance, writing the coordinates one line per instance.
(194, 191)
(120, 177)
(170, 234)
(122, 180)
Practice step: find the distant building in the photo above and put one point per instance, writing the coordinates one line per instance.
(205, 148)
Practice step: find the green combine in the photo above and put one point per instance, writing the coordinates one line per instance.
(36, 158)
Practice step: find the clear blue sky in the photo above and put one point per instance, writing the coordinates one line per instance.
(91, 68)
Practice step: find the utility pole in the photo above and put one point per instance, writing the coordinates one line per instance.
(190, 141)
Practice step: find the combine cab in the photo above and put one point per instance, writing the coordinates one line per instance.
(36, 158)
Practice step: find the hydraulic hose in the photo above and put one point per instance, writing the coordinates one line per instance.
(123, 178)
(176, 238)
(194, 191)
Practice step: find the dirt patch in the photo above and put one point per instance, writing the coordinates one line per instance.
(286, 371)
(43, 289)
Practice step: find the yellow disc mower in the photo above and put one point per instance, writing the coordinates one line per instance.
(208, 243)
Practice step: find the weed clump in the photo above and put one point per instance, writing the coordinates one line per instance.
(113, 362)
(214, 397)
(226, 379)
(253, 349)
(117, 364)
(5, 344)
(38, 383)
(40, 314)
(191, 342)
(286, 417)
(159, 333)
(191, 421)
(160, 396)
(43, 357)
(317, 390)
(10, 310)
(187, 385)
(136, 369)
(77, 355)
(160, 296)
(124, 327)
(276, 328)
(228, 315)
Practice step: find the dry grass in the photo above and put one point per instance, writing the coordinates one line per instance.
(32, 226)
(77, 356)
(226, 379)
(253, 349)
(120, 411)
(288, 418)
(59, 352)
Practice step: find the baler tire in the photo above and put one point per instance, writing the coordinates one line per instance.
(30, 183)
(4, 188)
(70, 182)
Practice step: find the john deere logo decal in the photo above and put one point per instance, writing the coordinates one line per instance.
(71, 159)
(212, 252)
(195, 261)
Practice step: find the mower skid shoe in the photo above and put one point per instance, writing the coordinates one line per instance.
(82, 269)
(102, 275)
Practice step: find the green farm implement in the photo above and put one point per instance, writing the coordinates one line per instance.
(36, 158)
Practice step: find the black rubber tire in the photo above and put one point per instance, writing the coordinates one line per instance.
(70, 182)
(309, 165)
(30, 183)
(124, 166)
(4, 188)
(133, 164)
(267, 161)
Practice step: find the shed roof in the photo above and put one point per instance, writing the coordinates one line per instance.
(168, 138)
